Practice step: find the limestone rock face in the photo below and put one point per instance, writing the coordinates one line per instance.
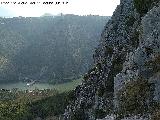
(129, 49)
(147, 50)
(145, 60)
(151, 39)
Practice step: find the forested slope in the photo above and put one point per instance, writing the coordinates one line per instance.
(48, 49)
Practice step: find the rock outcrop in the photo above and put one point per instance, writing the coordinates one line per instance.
(125, 79)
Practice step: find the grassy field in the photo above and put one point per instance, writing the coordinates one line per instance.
(59, 87)
(68, 86)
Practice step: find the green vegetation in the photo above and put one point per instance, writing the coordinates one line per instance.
(59, 87)
(48, 49)
(155, 111)
(143, 6)
(134, 36)
(148, 50)
(78, 115)
(156, 114)
(109, 50)
(14, 111)
(67, 86)
(101, 91)
(154, 64)
(135, 39)
(38, 103)
(28, 105)
(51, 106)
(134, 98)
(130, 21)
(99, 113)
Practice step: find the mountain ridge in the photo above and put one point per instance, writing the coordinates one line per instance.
(47, 49)
(124, 80)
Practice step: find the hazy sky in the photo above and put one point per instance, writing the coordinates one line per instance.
(79, 7)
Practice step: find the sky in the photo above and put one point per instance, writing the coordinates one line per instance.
(78, 7)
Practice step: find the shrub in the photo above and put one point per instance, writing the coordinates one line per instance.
(130, 21)
(53, 105)
(79, 115)
(148, 50)
(133, 97)
(143, 6)
(156, 115)
(155, 110)
(154, 64)
(99, 113)
(108, 50)
(86, 77)
(14, 111)
(100, 91)
(135, 39)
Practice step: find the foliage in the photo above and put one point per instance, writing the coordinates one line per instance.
(130, 21)
(6, 95)
(27, 107)
(109, 50)
(54, 105)
(135, 39)
(49, 49)
(148, 50)
(143, 6)
(14, 111)
(99, 113)
(100, 91)
(133, 98)
(154, 64)
(156, 115)
(79, 115)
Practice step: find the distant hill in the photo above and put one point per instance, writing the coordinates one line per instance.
(47, 14)
(48, 49)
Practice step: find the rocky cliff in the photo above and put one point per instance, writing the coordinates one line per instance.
(125, 79)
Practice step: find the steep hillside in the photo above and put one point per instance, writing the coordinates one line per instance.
(47, 49)
(124, 80)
